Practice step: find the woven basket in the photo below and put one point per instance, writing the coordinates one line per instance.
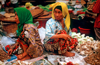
(45, 13)
(36, 12)
(45, 17)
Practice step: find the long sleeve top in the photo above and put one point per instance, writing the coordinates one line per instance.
(51, 27)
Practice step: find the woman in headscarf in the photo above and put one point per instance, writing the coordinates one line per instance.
(29, 6)
(58, 31)
(29, 39)
(24, 19)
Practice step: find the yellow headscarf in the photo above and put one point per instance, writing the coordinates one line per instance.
(27, 4)
(64, 12)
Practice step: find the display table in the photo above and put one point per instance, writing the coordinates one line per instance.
(8, 19)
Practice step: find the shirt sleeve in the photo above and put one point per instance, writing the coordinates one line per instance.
(96, 7)
(48, 32)
(70, 32)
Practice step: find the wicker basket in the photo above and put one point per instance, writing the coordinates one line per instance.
(36, 12)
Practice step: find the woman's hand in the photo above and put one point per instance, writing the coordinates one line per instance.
(65, 36)
(10, 51)
(20, 57)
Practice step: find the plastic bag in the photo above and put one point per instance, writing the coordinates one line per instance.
(6, 41)
(42, 34)
(77, 59)
(62, 60)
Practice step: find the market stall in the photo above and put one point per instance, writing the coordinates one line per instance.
(86, 50)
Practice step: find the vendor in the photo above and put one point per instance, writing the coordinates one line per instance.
(29, 39)
(58, 31)
(11, 3)
(29, 6)
(96, 9)
(20, 29)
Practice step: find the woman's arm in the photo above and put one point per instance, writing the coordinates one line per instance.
(12, 48)
(16, 44)
(64, 36)
(24, 54)
(57, 36)
(48, 31)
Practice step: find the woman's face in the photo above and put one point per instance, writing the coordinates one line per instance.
(28, 7)
(16, 18)
(58, 14)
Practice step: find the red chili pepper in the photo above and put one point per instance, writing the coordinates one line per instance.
(72, 47)
(69, 63)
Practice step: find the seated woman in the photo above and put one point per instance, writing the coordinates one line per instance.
(29, 39)
(29, 6)
(58, 31)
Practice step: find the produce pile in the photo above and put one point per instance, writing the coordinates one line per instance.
(3, 55)
(18, 62)
(94, 58)
(87, 48)
(39, 62)
(86, 45)
(81, 37)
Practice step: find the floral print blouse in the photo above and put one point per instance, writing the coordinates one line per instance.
(52, 26)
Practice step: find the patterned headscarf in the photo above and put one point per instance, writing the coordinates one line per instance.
(24, 16)
(64, 12)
